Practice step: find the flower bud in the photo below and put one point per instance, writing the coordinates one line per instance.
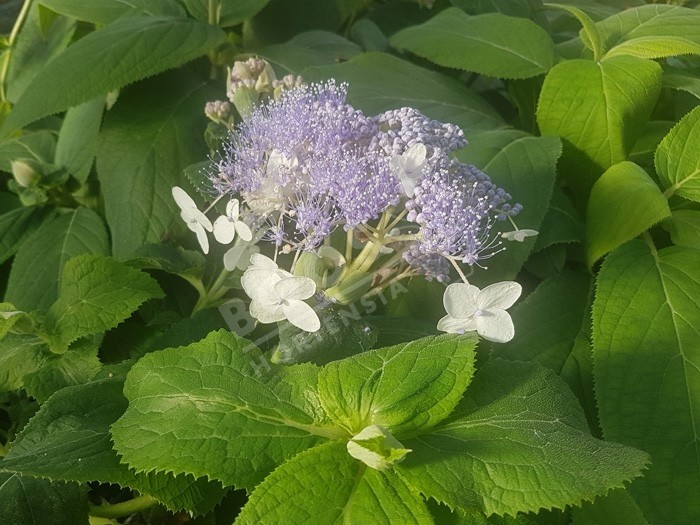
(218, 110)
(25, 173)
(247, 81)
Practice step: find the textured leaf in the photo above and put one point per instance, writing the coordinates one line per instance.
(517, 443)
(682, 80)
(69, 439)
(526, 167)
(492, 44)
(552, 327)
(652, 31)
(112, 57)
(314, 48)
(97, 293)
(19, 355)
(30, 501)
(169, 258)
(77, 141)
(599, 109)
(646, 364)
(148, 138)
(106, 11)
(379, 82)
(352, 493)
(678, 158)
(213, 409)
(74, 233)
(593, 36)
(624, 202)
(684, 227)
(406, 388)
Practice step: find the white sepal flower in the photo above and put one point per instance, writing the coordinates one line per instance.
(226, 226)
(519, 235)
(409, 167)
(484, 311)
(276, 294)
(238, 257)
(195, 219)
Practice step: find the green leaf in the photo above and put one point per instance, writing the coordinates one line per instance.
(525, 166)
(561, 224)
(218, 395)
(169, 258)
(16, 226)
(684, 227)
(552, 327)
(105, 11)
(616, 507)
(69, 439)
(624, 202)
(39, 146)
(395, 330)
(406, 388)
(343, 333)
(652, 31)
(118, 54)
(491, 44)
(19, 355)
(379, 82)
(33, 50)
(31, 501)
(599, 109)
(682, 80)
(678, 158)
(77, 141)
(314, 48)
(517, 443)
(74, 233)
(97, 293)
(646, 363)
(592, 35)
(232, 13)
(147, 139)
(351, 493)
(57, 371)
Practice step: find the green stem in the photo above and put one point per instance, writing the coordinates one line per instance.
(125, 508)
(10, 44)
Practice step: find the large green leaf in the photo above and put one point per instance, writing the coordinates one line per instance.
(39, 146)
(69, 439)
(561, 224)
(379, 82)
(624, 202)
(31, 501)
(352, 493)
(685, 80)
(314, 48)
(491, 44)
(678, 158)
(525, 166)
(20, 355)
(518, 442)
(214, 409)
(646, 361)
(552, 328)
(615, 507)
(106, 11)
(147, 139)
(79, 231)
(116, 55)
(97, 293)
(652, 31)
(407, 388)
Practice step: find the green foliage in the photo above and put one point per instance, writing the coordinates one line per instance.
(586, 112)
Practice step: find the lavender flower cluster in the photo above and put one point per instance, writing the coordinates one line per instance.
(309, 162)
